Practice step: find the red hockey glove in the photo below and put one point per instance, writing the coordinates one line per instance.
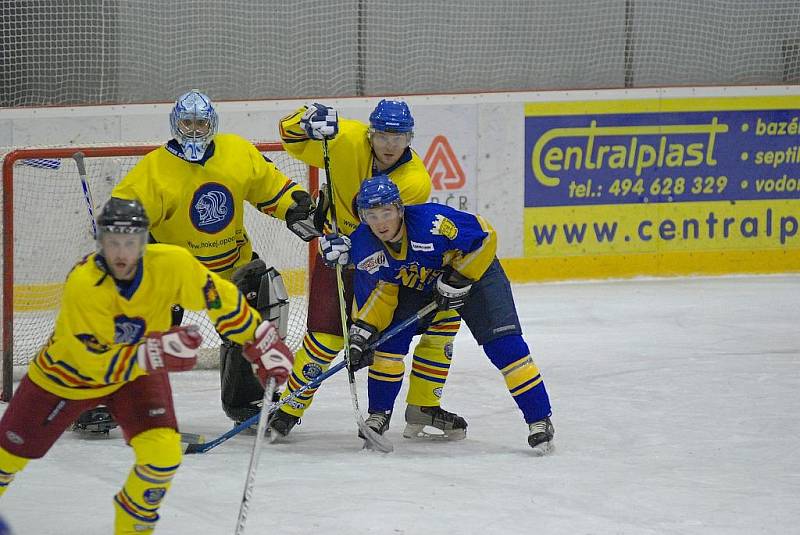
(172, 351)
(269, 355)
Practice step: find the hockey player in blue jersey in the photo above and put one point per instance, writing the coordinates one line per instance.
(409, 256)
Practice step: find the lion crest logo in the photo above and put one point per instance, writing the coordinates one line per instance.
(212, 208)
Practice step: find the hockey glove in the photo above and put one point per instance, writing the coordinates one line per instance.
(320, 122)
(172, 351)
(452, 291)
(271, 358)
(360, 355)
(335, 249)
(300, 216)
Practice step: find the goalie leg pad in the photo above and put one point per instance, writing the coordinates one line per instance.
(239, 386)
(265, 291)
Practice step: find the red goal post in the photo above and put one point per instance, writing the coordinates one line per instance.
(46, 229)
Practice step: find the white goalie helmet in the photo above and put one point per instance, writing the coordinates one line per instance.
(193, 122)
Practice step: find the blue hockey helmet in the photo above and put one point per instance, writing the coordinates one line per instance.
(193, 122)
(391, 116)
(378, 190)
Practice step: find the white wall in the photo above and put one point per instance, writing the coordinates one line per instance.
(486, 132)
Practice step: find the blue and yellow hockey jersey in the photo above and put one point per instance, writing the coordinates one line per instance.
(435, 238)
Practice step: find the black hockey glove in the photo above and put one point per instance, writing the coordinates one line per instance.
(452, 291)
(360, 355)
(300, 216)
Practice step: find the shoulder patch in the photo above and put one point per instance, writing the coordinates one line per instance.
(373, 262)
(211, 294)
(444, 227)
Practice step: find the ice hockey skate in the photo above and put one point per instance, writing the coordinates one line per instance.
(280, 424)
(96, 422)
(433, 423)
(540, 436)
(378, 422)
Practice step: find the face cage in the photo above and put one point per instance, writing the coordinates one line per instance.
(194, 147)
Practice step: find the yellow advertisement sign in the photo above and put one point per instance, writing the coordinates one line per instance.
(662, 176)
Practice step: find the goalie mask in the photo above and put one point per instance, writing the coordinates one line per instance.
(193, 122)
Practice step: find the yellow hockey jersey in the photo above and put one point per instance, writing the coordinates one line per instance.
(350, 157)
(200, 205)
(100, 325)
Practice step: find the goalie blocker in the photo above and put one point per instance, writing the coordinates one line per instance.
(265, 291)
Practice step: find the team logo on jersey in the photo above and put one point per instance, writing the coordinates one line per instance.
(444, 227)
(128, 330)
(91, 342)
(448, 351)
(212, 208)
(311, 371)
(154, 495)
(437, 392)
(373, 262)
(211, 294)
(421, 246)
(415, 276)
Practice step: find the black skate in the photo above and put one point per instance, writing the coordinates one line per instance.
(280, 424)
(540, 436)
(433, 423)
(96, 422)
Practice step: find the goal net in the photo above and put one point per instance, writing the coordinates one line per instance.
(116, 51)
(46, 230)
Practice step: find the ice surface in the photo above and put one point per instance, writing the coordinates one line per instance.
(676, 408)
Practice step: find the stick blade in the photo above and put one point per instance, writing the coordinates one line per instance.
(192, 443)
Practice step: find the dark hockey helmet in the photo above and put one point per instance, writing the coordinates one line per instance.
(378, 190)
(123, 216)
(391, 116)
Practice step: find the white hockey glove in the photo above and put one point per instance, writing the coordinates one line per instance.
(172, 351)
(271, 358)
(452, 293)
(320, 122)
(335, 249)
(359, 352)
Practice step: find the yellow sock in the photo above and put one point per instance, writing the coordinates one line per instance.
(10, 464)
(158, 455)
(432, 357)
(311, 360)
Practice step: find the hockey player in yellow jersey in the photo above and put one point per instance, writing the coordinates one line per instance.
(194, 189)
(113, 344)
(357, 151)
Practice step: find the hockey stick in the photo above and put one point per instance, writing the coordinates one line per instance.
(373, 440)
(254, 456)
(87, 193)
(199, 446)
